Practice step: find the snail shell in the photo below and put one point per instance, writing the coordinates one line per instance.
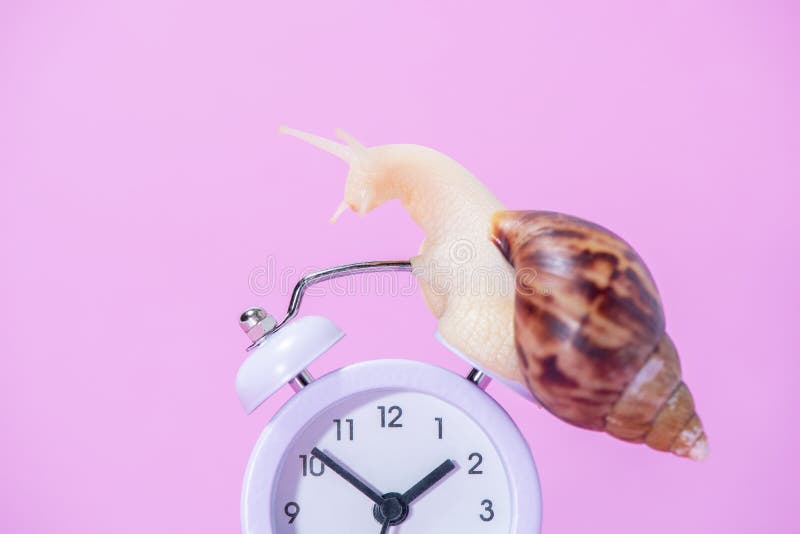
(589, 332)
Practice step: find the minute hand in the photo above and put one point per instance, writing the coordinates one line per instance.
(430, 480)
(348, 476)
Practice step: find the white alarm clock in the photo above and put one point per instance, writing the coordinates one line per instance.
(383, 446)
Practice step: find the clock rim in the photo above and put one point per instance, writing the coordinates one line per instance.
(391, 374)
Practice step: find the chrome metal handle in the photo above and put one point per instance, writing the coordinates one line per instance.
(337, 272)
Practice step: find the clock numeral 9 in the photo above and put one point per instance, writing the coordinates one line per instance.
(338, 423)
(292, 510)
(488, 513)
(312, 466)
(393, 410)
(478, 461)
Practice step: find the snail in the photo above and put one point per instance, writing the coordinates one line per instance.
(554, 302)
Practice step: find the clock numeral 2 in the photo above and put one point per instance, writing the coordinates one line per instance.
(339, 428)
(478, 461)
(312, 466)
(292, 510)
(398, 413)
(488, 513)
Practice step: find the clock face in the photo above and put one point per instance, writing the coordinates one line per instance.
(391, 447)
(401, 446)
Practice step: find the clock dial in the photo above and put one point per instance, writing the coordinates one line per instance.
(393, 446)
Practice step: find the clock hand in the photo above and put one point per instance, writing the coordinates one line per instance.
(385, 527)
(348, 476)
(430, 479)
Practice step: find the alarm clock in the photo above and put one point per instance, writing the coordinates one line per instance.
(382, 446)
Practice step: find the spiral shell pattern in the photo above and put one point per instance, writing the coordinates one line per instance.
(589, 332)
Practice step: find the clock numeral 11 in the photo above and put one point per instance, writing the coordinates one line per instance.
(338, 423)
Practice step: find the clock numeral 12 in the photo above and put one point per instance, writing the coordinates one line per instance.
(339, 428)
(398, 413)
(440, 422)
(312, 466)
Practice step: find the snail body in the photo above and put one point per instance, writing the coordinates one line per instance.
(454, 210)
(555, 302)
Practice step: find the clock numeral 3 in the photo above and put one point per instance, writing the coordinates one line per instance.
(338, 423)
(312, 466)
(488, 513)
(478, 461)
(393, 410)
(292, 510)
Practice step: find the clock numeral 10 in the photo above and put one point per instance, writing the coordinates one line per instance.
(393, 410)
(312, 466)
(292, 510)
(338, 423)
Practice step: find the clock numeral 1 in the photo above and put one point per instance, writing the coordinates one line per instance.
(440, 422)
(488, 513)
(292, 510)
(393, 410)
(339, 428)
(478, 461)
(312, 466)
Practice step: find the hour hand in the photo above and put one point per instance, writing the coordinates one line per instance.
(429, 481)
(348, 476)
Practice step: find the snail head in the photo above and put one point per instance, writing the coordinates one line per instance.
(365, 188)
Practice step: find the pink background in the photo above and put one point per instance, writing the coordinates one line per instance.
(143, 181)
